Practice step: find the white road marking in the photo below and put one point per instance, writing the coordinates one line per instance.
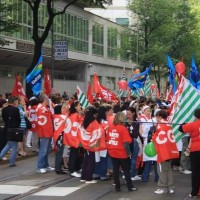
(15, 189)
(57, 191)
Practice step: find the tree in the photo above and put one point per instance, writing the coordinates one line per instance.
(163, 27)
(40, 39)
(8, 24)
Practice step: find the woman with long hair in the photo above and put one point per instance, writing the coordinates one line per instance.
(118, 141)
(133, 126)
(75, 155)
(89, 123)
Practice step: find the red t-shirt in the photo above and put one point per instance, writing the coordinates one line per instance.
(116, 136)
(193, 128)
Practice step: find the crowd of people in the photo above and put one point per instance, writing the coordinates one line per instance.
(125, 128)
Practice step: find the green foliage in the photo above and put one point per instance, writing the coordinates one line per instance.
(8, 23)
(163, 27)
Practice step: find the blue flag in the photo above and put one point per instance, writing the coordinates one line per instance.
(194, 75)
(138, 80)
(172, 73)
(35, 77)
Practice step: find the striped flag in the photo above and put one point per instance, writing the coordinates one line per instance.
(184, 103)
(82, 98)
(147, 87)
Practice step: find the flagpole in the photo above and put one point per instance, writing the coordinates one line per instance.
(52, 52)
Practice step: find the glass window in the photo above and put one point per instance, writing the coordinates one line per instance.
(112, 43)
(122, 21)
(97, 39)
(110, 83)
(124, 55)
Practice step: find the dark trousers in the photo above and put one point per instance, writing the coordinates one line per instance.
(3, 138)
(195, 166)
(125, 164)
(75, 159)
(58, 158)
(88, 166)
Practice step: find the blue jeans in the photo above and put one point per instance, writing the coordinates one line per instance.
(134, 158)
(45, 147)
(147, 170)
(58, 158)
(101, 167)
(10, 145)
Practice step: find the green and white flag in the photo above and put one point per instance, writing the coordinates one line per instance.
(184, 103)
(147, 87)
(82, 98)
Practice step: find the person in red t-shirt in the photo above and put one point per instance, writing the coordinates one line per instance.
(118, 139)
(194, 131)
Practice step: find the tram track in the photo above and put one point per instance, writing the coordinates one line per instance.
(43, 186)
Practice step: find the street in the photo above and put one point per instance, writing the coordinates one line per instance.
(23, 182)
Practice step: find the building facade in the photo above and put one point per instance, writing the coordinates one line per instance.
(94, 44)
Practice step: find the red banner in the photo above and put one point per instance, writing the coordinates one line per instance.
(93, 138)
(165, 143)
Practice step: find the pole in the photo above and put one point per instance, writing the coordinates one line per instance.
(137, 47)
(52, 51)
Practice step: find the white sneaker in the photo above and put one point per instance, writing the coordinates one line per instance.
(4, 158)
(92, 181)
(171, 191)
(41, 171)
(50, 169)
(186, 171)
(160, 191)
(136, 178)
(123, 177)
(28, 145)
(75, 174)
(82, 181)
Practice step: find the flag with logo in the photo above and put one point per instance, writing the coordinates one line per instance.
(93, 137)
(103, 92)
(34, 78)
(184, 103)
(138, 80)
(172, 73)
(70, 136)
(18, 89)
(82, 98)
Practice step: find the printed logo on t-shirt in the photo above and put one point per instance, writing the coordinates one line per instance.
(113, 137)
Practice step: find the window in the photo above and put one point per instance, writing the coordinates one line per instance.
(112, 43)
(110, 83)
(122, 21)
(124, 55)
(97, 39)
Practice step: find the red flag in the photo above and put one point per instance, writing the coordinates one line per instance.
(47, 83)
(122, 84)
(96, 84)
(18, 89)
(165, 143)
(89, 93)
(93, 137)
(59, 125)
(106, 94)
(70, 136)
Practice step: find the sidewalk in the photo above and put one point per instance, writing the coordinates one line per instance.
(29, 154)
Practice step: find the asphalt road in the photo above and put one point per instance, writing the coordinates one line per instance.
(23, 182)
